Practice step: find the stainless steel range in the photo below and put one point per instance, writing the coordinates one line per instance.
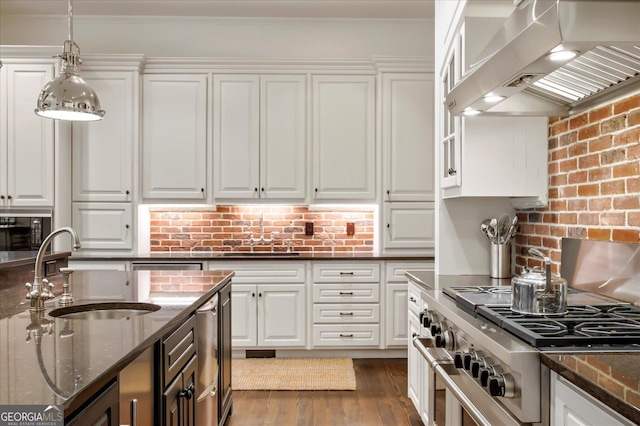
(488, 357)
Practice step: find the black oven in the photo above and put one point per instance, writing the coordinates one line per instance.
(23, 231)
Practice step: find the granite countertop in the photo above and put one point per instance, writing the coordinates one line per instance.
(430, 281)
(258, 255)
(12, 259)
(48, 360)
(612, 378)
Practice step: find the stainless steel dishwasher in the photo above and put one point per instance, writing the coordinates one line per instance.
(207, 380)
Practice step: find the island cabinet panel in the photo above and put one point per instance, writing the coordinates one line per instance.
(174, 137)
(102, 411)
(179, 362)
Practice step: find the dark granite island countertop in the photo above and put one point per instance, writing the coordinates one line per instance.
(46, 360)
(12, 259)
(612, 378)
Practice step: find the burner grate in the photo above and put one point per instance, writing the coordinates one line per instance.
(608, 328)
(583, 325)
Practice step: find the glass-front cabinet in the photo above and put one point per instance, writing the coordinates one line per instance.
(450, 175)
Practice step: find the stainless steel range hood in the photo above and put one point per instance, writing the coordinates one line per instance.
(516, 65)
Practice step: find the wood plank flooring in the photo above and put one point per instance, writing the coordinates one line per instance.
(380, 400)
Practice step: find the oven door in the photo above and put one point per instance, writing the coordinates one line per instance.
(452, 398)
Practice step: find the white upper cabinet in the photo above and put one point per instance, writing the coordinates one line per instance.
(26, 140)
(487, 156)
(103, 150)
(343, 137)
(174, 137)
(259, 136)
(407, 136)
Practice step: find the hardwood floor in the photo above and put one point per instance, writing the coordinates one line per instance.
(380, 399)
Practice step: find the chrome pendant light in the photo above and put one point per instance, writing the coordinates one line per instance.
(68, 96)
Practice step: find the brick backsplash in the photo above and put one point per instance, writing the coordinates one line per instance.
(228, 228)
(594, 182)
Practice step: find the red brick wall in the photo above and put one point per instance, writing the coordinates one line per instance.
(594, 182)
(228, 228)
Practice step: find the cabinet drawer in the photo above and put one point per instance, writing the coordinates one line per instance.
(346, 313)
(346, 335)
(395, 271)
(262, 272)
(346, 272)
(332, 293)
(178, 348)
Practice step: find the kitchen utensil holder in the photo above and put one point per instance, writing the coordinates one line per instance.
(500, 261)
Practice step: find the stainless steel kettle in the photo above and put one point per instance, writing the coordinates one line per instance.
(537, 291)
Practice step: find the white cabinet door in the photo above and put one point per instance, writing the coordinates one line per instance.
(343, 137)
(502, 157)
(572, 407)
(397, 312)
(281, 315)
(409, 226)
(414, 360)
(283, 137)
(407, 136)
(259, 136)
(174, 137)
(236, 117)
(103, 226)
(244, 316)
(103, 150)
(26, 140)
(450, 152)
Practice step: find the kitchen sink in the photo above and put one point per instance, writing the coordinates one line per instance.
(259, 254)
(104, 310)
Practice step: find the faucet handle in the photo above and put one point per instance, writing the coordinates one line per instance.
(47, 289)
(30, 292)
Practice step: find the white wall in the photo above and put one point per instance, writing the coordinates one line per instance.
(227, 37)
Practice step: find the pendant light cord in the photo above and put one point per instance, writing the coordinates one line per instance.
(70, 20)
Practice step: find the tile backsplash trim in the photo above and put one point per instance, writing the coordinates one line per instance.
(594, 182)
(228, 228)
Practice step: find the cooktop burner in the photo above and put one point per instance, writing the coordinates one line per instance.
(592, 319)
(583, 325)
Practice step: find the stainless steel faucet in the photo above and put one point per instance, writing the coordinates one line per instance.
(41, 289)
(262, 239)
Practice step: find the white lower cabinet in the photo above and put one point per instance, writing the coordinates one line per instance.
(346, 305)
(396, 297)
(269, 304)
(414, 361)
(268, 315)
(571, 406)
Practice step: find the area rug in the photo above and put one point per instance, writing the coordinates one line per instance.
(292, 374)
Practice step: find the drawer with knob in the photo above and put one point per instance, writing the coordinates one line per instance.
(346, 313)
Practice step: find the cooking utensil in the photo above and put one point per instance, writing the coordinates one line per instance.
(538, 291)
(493, 225)
(503, 227)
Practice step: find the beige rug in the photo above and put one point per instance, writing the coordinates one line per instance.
(292, 374)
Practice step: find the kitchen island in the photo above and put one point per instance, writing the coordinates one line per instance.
(58, 361)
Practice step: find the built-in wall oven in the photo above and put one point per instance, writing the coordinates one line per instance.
(23, 230)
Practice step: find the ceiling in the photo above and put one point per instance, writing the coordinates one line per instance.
(399, 9)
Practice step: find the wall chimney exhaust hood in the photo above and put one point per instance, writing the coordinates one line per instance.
(554, 57)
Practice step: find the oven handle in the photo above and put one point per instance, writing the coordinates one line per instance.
(438, 366)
